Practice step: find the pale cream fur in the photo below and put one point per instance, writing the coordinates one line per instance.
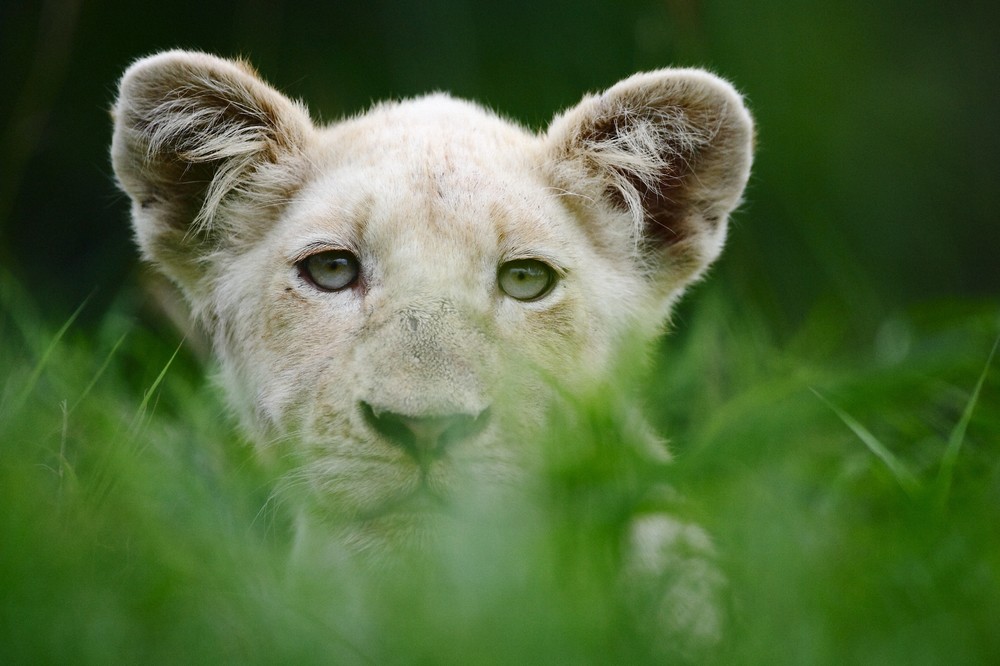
(626, 197)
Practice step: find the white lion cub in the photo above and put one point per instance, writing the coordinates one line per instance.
(393, 293)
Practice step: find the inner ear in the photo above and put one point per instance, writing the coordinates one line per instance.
(671, 148)
(651, 154)
(190, 128)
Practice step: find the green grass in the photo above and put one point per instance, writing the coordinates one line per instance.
(852, 488)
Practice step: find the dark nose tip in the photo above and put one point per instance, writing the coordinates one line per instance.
(423, 437)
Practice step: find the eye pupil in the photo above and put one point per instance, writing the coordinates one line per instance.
(526, 279)
(331, 270)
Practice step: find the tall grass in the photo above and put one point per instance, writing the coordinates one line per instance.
(852, 489)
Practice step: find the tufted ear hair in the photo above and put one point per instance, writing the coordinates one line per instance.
(664, 157)
(206, 151)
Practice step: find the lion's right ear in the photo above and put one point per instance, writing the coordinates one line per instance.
(662, 157)
(206, 150)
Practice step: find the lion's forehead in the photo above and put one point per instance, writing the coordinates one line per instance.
(435, 126)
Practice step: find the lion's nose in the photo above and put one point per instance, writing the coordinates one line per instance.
(423, 437)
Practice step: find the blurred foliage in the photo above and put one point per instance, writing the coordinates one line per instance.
(137, 527)
(873, 187)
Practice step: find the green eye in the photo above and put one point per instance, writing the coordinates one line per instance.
(526, 279)
(332, 270)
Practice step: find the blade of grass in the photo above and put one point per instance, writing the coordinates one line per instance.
(104, 477)
(65, 471)
(151, 391)
(957, 436)
(43, 361)
(907, 481)
(100, 371)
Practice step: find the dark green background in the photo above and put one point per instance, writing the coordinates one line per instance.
(875, 185)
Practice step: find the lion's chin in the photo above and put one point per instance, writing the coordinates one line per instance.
(419, 520)
(412, 524)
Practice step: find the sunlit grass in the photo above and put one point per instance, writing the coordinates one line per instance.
(853, 497)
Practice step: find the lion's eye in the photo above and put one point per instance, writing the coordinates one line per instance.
(526, 279)
(331, 270)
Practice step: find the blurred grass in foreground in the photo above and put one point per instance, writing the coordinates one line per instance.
(135, 526)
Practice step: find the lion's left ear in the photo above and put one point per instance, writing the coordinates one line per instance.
(671, 151)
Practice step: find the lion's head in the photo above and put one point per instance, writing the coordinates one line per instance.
(397, 296)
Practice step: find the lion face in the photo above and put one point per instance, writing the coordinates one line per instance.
(417, 297)
(400, 297)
